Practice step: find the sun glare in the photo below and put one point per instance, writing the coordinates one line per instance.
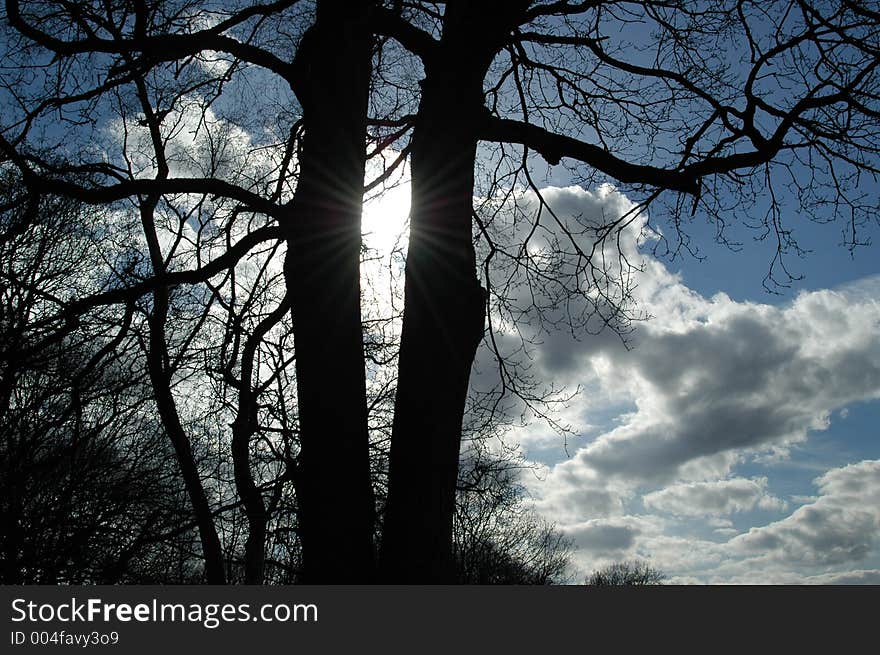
(385, 219)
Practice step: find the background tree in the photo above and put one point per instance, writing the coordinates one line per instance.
(497, 537)
(113, 48)
(626, 574)
(89, 492)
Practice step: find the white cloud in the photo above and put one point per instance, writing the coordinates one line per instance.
(713, 379)
(198, 143)
(840, 526)
(719, 497)
(871, 577)
(748, 378)
(818, 543)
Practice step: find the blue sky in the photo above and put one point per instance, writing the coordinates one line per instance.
(740, 273)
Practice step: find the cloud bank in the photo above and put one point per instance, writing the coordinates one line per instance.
(709, 386)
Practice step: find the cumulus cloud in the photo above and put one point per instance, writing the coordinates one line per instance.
(709, 385)
(841, 526)
(714, 498)
(749, 377)
(604, 538)
(822, 542)
(712, 378)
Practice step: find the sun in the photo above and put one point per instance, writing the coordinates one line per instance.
(385, 221)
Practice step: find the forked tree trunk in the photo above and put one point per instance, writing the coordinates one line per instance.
(167, 410)
(243, 429)
(334, 494)
(159, 369)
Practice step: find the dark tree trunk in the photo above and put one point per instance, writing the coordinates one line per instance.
(444, 304)
(243, 429)
(442, 326)
(160, 371)
(254, 506)
(334, 493)
(160, 379)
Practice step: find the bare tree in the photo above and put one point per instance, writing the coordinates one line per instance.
(89, 492)
(690, 107)
(319, 221)
(626, 574)
(497, 537)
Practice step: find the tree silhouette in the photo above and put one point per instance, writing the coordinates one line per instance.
(88, 488)
(231, 144)
(705, 103)
(497, 538)
(626, 574)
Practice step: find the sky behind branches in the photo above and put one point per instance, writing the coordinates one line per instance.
(735, 441)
